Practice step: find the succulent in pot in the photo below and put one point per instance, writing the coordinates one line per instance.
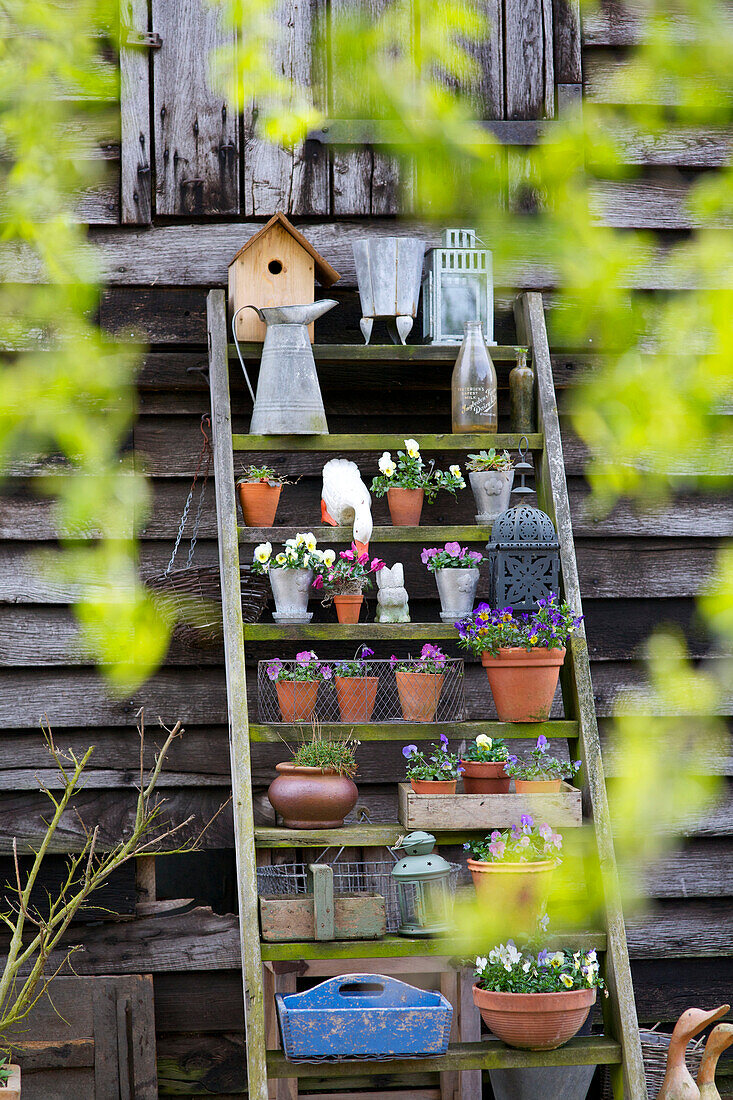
(541, 773)
(535, 1001)
(343, 580)
(10, 1083)
(407, 483)
(291, 574)
(483, 763)
(356, 689)
(297, 683)
(432, 773)
(512, 868)
(491, 474)
(455, 568)
(522, 654)
(420, 682)
(259, 489)
(316, 790)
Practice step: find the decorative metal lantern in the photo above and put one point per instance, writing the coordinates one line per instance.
(458, 287)
(424, 888)
(524, 553)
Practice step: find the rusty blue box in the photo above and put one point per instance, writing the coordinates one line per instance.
(363, 1016)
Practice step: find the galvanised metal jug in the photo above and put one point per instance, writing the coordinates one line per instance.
(288, 400)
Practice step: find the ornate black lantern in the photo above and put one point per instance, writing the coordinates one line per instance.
(524, 554)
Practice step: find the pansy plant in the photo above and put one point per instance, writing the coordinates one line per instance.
(358, 667)
(452, 556)
(436, 765)
(488, 630)
(541, 765)
(300, 552)
(431, 661)
(523, 843)
(350, 573)
(487, 750)
(506, 969)
(306, 667)
(409, 472)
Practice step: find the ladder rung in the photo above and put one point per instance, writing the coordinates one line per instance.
(425, 535)
(397, 947)
(378, 443)
(383, 353)
(379, 835)
(349, 632)
(397, 731)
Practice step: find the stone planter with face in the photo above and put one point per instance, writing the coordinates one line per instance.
(491, 491)
(291, 589)
(457, 591)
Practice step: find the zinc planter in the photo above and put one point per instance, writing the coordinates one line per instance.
(457, 591)
(297, 699)
(291, 589)
(433, 786)
(259, 501)
(405, 506)
(348, 607)
(491, 491)
(356, 696)
(419, 693)
(523, 682)
(518, 889)
(312, 798)
(484, 777)
(534, 1021)
(548, 1082)
(537, 786)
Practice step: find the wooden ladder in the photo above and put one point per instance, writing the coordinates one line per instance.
(460, 1068)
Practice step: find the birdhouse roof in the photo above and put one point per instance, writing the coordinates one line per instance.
(325, 274)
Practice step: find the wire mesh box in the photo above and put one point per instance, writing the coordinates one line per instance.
(384, 694)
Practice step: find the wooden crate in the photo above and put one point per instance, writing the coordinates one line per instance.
(487, 811)
(290, 918)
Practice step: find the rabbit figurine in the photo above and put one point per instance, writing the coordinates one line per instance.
(392, 595)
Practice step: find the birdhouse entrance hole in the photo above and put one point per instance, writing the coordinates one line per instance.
(274, 267)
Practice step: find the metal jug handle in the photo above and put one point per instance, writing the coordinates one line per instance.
(239, 350)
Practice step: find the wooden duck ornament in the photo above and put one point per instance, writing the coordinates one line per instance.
(678, 1083)
(345, 500)
(719, 1039)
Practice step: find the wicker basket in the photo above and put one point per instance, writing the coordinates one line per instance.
(654, 1047)
(195, 594)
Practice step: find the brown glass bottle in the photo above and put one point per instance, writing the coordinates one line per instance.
(521, 395)
(473, 385)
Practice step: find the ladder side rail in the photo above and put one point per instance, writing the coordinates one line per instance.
(242, 804)
(532, 331)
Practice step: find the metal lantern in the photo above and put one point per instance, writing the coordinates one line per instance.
(458, 287)
(424, 888)
(524, 553)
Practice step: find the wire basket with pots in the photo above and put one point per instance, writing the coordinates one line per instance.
(259, 489)
(291, 574)
(541, 773)
(491, 474)
(407, 483)
(433, 772)
(512, 868)
(297, 683)
(535, 1001)
(356, 684)
(343, 579)
(456, 573)
(420, 682)
(316, 789)
(484, 763)
(522, 654)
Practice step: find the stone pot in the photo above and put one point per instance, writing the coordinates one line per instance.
(491, 491)
(356, 696)
(519, 890)
(348, 607)
(484, 777)
(523, 682)
(297, 699)
(12, 1089)
(433, 786)
(405, 506)
(259, 501)
(312, 798)
(291, 589)
(537, 786)
(457, 591)
(419, 693)
(534, 1021)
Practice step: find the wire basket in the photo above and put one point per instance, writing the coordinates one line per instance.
(383, 695)
(348, 878)
(654, 1049)
(195, 595)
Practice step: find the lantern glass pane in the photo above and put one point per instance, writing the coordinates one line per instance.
(462, 298)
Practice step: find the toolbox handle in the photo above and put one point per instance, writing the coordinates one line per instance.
(361, 989)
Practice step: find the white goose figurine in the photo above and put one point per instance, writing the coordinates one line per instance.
(345, 499)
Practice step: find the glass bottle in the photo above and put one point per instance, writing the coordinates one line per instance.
(521, 394)
(473, 385)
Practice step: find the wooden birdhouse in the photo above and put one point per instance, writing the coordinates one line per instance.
(276, 267)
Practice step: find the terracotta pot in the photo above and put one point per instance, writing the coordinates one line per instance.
(433, 786)
(534, 1021)
(12, 1089)
(348, 607)
(523, 682)
(297, 699)
(537, 786)
(405, 506)
(484, 777)
(419, 693)
(259, 501)
(312, 798)
(356, 696)
(519, 889)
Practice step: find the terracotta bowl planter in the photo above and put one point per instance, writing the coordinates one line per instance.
(297, 699)
(312, 798)
(484, 777)
(534, 1021)
(537, 786)
(405, 506)
(419, 693)
(259, 501)
(356, 696)
(348, 607)
(433, 786)
(517, 889)
(523, 682)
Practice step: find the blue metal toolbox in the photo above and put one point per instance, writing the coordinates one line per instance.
(363, 1016)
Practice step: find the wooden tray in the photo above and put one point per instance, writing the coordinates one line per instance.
(487, 811)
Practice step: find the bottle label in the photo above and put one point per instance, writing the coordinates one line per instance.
(477, 400)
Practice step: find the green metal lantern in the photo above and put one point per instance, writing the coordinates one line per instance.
(424, 888)
(458, 287)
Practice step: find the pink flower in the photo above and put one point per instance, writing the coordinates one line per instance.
(363, 559)
(347, 554)
(497, 848)
(524, 842)
(427, 554)
(496, 835)
(377, 563)
(545, 831)
(454, 549)
(318, 582)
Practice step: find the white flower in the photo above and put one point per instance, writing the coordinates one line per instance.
(310, 541)
(455, 470)
(316, 555)
(484, 741)
(567, 981)
(526, 965)
(329, 557)
(290, 544)
(291, 553)
(481, 962)
(412, 447)
(512, 954)
(386, 465)
(300, 538)
(263, 552)
(281, 559)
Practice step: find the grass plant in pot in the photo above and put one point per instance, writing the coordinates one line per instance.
(483, 764)
(356, 689)
(522, 654)
(259, 490)
(291, 574)
(420, 682)
(491, 474)
(9, 1079)
(316, 790)
(535, 1001)
(432, 773)
(296, 683)
(455, 568)
(512, 869)
(344, 579)
(542, 773)
(408, 483)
